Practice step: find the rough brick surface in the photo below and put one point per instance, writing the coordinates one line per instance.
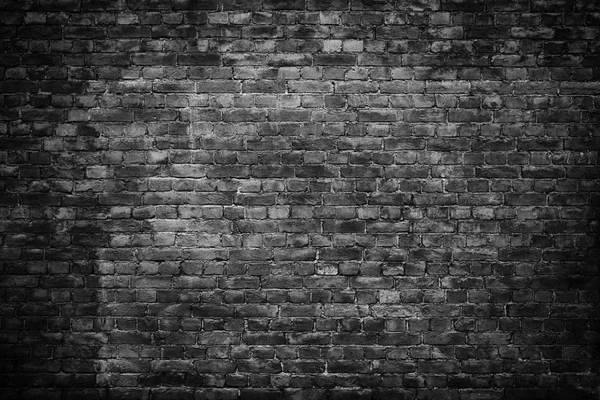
(299, 199)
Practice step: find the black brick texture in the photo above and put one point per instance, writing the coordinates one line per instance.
(299, 199)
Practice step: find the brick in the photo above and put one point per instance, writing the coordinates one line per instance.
(404, 144)
(527, 310)
(289, 60)
(199, 59)
(211, 311)
(154, 59)
(289, 115)
(356, 87)
(283, 5)
(360, 367)
(15, 86)
(196, 5)
(521, 254)
(334, 59)
(424, 116)
(174, 87)
(448, 87)
(328, 5)
(469, 116)
(559, 116)
(523, 227)
(295, 254)
(128, 31)
(340, 254)
(532, 33)
(402, 87)
(263, 87)
(264, 32)
(385, 60)
(218, 86)
(397, 32)
(525, 199)
(310, 87)
(497, 172)
(377, 116)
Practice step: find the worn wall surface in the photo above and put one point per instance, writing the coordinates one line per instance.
(299, 199)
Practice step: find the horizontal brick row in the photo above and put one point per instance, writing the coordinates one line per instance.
(301, 5)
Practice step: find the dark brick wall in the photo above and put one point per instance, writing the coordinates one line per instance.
(299, 199)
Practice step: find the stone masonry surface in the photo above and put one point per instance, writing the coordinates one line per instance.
(299, 199)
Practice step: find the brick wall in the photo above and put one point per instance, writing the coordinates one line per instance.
(299, 199)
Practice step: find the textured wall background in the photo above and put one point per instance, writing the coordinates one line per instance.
(320, 199)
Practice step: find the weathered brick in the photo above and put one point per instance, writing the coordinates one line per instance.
(356, 87)
(154, 59)
(218, 86)
(199, 59)
(329, 5)
(377, 116)
(310, 87)
(469, 116)
(263, 87)
(283, 5)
